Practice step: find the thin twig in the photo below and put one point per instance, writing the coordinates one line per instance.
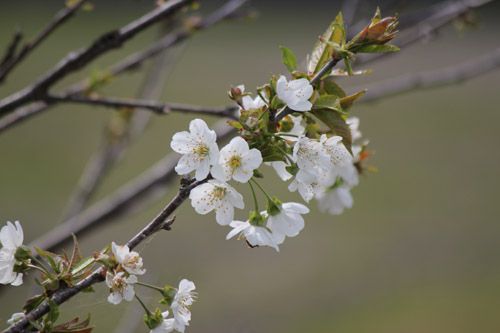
(65, 293)
(122, 200)
(429, 79)
(78, 59)
(154, 106)
(58, 20)
(11, 49)
(131, 62)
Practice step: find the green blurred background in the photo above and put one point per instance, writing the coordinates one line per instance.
(418, 252)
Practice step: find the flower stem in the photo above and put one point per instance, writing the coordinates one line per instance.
(150, 286)
(143, 305)
(42, 270)
(256, 203)
(261, 188)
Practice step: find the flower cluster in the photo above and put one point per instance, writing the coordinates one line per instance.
(300, 126)
(124, 267)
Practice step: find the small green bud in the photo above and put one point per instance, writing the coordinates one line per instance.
(256, 219)
(154, 319)
(168, 293)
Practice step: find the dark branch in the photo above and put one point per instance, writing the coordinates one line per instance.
(62, 16)
(228, 10)
(154, 106)
(78, 59)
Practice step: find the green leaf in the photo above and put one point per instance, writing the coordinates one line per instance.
(33, 302)
(84, 263)
(331, 87)
(327, 102)
(347, 101)
(385, 48)
(324, 49)
(337, 124)
(289, 59)
(236, 124)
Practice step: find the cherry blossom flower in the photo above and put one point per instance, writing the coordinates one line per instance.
(336, 151)
(11, 237)
(255, 235)
(218, 196)
(181, 304)
(280, 168)
(130, 260)
(198, 148)
(166, 326)
(310, 155)
(288, 222)
(335, 200)
(237, 161)
(353, 123)
(121, 287)
(295, 93)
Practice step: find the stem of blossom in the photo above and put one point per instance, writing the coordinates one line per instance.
(256, 203)
(150, 286)
(38, 268)
(143, 305)
(262, 189)
(41, 265)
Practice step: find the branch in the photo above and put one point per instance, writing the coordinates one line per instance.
(78, 59)
(65, 293)
(228, 10)
(62, 16)
(450, 75)
(154, 106)
(122, 200)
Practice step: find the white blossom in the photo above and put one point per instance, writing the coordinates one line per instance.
(335, 200)
(218, 196)
(336, 151)
(280, 168)
(183, 299)
(11, 237)
(306, 183)
(250, 103)
(166, 326)
(130, 260)
(237, 161)
(288, 222)
(353, 123)
(121, 287)
(198, 148)
(295, 93)
(310, 155)
(255, 235)
(15, 318)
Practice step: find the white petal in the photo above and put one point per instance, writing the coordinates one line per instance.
(115, 298)
(301, 106)
(253, 159)
(224, 214)
(202, 170)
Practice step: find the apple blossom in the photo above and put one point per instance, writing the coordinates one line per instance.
(237, 161)
(198, 148)
(130, 260)
(218, 196)
(295, 93)
(121, 287)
